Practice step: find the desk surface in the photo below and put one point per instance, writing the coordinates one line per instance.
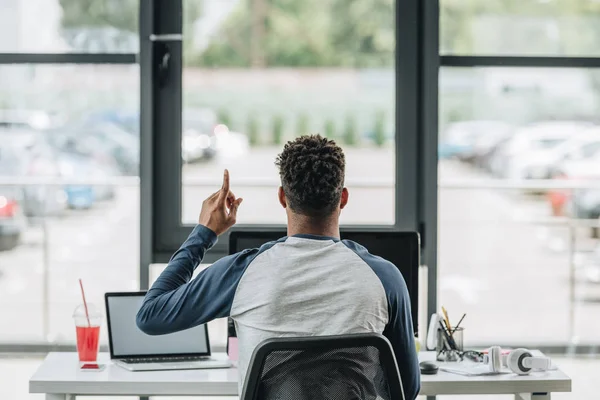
(59, 373)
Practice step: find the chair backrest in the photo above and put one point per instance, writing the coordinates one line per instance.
(348, 367)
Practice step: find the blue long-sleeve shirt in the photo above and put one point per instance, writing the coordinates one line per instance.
(297, 286)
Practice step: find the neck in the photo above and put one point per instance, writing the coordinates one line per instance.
(326, 226)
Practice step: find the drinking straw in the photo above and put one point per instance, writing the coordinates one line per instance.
(87, 315)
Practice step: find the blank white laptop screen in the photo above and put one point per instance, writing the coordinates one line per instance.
(128, 340)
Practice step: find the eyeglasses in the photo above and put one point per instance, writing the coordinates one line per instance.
(472, 355)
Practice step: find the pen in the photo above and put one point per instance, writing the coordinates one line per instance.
(457, 325)
(447, 338)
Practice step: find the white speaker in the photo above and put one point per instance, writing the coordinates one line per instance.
(519, 361)
(494, 358)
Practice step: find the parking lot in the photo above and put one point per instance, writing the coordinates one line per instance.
(515, 272)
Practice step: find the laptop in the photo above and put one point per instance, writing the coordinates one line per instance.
(134, 350)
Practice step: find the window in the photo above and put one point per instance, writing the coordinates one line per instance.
(69, 197)
(255, 77)
(51, 116)
(515, 251)
(498, 28)
(69, 26)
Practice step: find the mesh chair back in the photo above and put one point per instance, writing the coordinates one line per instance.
(349, 367)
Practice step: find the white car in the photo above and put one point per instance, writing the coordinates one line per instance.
(534, 138)
(582, 168)
(542, 163)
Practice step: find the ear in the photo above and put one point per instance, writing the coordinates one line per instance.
(281, 196)
(344, 198)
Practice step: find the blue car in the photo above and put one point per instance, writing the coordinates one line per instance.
(74, 166)
(451, 150)
(80, 197)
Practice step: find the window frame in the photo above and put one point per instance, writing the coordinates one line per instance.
(35, 59)
(168, 232)
(449, 60)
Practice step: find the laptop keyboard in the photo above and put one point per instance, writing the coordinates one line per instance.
(147, 360)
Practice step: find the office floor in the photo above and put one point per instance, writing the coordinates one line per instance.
(15, 372)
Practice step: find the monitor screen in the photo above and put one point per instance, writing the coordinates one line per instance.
(126, 340)
(400, 248)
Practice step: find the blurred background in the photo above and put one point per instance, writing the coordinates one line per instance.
(518, 149)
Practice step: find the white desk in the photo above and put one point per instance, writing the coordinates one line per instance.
(60, 379)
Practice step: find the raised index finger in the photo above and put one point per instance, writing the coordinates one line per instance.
(225, 187)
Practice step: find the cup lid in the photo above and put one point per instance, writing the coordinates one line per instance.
(93, 311)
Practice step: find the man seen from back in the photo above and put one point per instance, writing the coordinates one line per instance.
(305, 284)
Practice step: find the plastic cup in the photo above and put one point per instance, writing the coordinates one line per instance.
(88, 332)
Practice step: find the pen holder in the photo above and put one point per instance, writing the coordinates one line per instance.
(449, 350)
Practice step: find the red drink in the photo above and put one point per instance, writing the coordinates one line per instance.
(88, 338)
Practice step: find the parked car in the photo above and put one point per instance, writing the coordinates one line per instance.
(541, 136)
(127, 120)
(84, 196)
(230, 145)
(581, 203)
(12, 219)
(104, 141)
(198, 136)
(32, 157)
(543, 162)
(467, 140)
(29, 119)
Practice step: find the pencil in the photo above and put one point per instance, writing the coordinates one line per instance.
(447, 319)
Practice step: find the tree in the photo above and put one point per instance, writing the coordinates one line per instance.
(302, 125)
(253, 130)
(122, 15)
(379, 129)
(521, 27)
(119, 14)
(350, 131)
(224, 117)
(278, 129)
(329, 131)
(308, 33)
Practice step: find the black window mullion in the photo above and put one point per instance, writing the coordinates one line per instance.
(68, 58)
(407, 93)
(167, 108)
(519, 61)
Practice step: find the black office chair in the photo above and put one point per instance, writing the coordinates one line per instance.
(349, 367)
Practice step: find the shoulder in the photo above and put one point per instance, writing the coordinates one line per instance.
(388, 273)
(245, 257)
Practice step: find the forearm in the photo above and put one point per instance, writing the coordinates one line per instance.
(163, 298)
(181, 267)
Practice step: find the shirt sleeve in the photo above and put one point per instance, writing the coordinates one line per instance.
(399, 329)
(400, 333)
(176, 302)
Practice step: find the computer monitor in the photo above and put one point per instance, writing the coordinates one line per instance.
(400, 248)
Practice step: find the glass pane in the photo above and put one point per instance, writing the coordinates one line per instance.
(517, 244)
(498, 27)
(65, 26)
(255, 78)
(59, 123)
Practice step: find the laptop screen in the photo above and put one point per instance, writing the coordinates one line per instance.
(126, 340)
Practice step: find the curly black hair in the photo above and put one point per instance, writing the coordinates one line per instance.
(312, 170)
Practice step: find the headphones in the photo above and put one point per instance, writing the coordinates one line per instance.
(519, 361)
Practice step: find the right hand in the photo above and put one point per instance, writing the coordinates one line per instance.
(219, 211)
